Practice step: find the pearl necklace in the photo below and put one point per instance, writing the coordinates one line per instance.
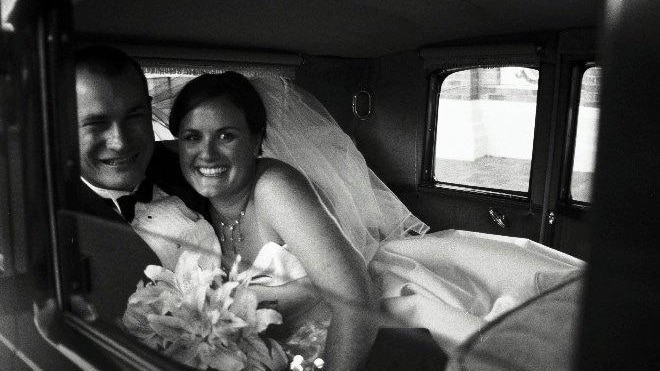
(234, 228)
(234, 235)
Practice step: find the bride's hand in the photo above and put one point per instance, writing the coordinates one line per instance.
(289, 297)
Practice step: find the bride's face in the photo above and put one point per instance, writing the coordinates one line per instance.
(217, 150)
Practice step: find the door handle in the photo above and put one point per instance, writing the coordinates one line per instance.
(497, 217)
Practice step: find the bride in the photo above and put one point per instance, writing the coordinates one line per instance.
(286, 189)
(253, 202)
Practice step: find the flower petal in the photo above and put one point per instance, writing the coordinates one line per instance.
(157, 273)
(227, 327)
(222, 296)
(136, 324)
(222, 358)
(169, 327)
(184, 350)
(265, 318)
(147, 294)
(245, 303)
(263, 355)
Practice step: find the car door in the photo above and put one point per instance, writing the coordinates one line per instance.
(572, 170)
(487, 129)
(510, 140)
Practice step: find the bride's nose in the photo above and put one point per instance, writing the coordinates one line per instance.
(209, 151)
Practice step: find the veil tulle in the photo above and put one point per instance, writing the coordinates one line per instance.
(302, 133)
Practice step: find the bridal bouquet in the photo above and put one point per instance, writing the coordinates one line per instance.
(203, 318)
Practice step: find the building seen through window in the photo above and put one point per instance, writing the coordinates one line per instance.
(163, 89)
(584, 158)
(485, 128)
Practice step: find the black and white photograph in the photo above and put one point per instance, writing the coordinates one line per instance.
(342, 185)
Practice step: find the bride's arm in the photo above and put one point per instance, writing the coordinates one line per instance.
(338, 271)
(290, 297)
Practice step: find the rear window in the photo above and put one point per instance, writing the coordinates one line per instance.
(163, 88)
(166, 79)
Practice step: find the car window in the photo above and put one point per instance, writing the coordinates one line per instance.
(485, 128)
(165, 82)
(584, 157)
(163, 88)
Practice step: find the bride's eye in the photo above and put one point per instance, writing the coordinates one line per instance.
(226, 137)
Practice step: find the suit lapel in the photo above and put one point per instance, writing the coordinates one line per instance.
(96, 205)
(114, 254)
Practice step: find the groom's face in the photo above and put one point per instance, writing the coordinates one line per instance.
(114, 128)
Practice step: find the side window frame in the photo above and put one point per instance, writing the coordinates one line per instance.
(579, 67)
(436, 79)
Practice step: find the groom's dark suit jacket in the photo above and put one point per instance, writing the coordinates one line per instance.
(113, 254)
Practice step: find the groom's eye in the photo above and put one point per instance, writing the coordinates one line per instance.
(137, 116)
(190, 136)
(94, 122)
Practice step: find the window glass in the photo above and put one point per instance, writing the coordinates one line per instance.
(163, 89)
(165, 82)
(485, 128)
(584, 158)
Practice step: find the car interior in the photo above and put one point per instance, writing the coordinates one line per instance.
(522, 133)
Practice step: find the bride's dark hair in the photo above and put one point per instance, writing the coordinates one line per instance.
(232, 85)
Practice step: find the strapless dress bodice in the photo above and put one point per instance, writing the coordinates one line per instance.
(274, 266)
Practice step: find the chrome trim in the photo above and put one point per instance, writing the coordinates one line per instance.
(497, 217)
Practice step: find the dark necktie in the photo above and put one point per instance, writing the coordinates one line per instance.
(127, 203)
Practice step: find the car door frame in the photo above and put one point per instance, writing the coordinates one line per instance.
(566, 224)
(537, 215)
(462, 207)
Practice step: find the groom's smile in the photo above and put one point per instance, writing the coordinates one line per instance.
(119, 161)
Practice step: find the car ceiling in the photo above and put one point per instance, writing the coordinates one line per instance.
(348, 28)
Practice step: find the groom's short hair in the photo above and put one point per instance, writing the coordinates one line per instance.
(108, 61)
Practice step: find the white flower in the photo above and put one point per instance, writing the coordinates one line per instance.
(195, 318)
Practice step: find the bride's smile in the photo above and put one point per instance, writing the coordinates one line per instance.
(212, 171)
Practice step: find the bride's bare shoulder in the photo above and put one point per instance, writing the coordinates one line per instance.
(277, 179)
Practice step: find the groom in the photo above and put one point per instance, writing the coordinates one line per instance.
(120, 165)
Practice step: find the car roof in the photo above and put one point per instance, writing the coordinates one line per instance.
(348, 28)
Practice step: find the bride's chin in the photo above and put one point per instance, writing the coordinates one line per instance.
(207, 189)
(210, 193)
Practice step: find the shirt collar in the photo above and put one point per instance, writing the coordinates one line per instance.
(111, 194)
(108, 193)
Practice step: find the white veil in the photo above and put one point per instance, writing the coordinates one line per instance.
(302, 133)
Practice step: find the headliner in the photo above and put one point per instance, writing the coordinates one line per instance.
(349, 28)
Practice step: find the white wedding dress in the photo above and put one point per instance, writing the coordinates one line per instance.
(451, 282)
